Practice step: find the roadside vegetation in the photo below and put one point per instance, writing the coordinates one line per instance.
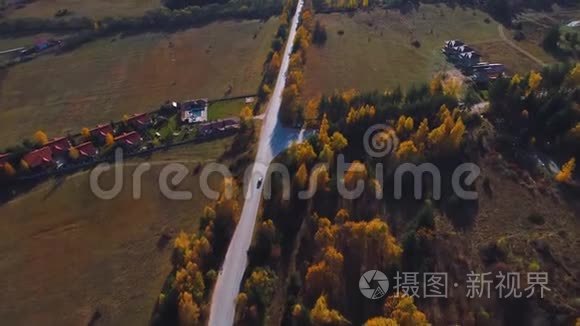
(310, 254)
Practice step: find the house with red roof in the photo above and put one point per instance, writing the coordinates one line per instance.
(139, 121)
(59, 146)
(39, 158)
(101, 131)
(129, 140)
(87, 150)
(5, 158)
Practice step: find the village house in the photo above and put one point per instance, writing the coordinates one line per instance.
(5, 158)
(129, 140)
(468, 59)
(139, 121)
(59, 146)
(38, 159)
(484, 72)
(101, 131)
(451, 45)
(194, 111)
(87, 151)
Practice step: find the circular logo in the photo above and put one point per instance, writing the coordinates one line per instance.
(380, 140)
(373, 284)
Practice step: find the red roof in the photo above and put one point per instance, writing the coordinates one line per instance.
(87, 149)
(102, 130)
(4, 158)
(39, 157)
(132, 138)
(139, 120)
(59, 145)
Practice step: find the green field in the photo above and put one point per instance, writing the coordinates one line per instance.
(375, 49)
(66, 253)
(110, 77)
(88, 8)
(225, 109)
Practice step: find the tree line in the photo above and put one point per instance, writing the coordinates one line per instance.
(161, 19)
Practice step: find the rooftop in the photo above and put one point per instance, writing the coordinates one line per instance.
(38, 157)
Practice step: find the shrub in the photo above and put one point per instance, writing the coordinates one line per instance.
(536, 219)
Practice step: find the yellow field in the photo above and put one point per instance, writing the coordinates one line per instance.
(105, 79)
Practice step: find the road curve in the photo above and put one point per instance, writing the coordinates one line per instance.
(517, 47)
(228, 283)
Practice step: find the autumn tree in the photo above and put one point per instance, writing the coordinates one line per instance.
(381, 321)
(452, 86)
(296, 77)
(260, 286)
(24, 165)
(565, 174)
(73, 153)
(435, 85)
(325, 235)
(420, 136)
(407, 150)
(341, 216)
(311, 110)
(322, 177)
(241, 305)
(109, 139)
(8, 169)
(404, 125)
(356, 172)
(449, 135)
(188, 311)
(323, 131)
(302, 153)
(534, 81)
(246, 115)
(274, 65)
(301, 177)
(574, 76)
(363, 113)
(403, 310)
(41, 137)
(516, 80)
(325, 275)
(86, 133)
(574, 132)
(338, 142)
(322, 315)
(348, 95)
(326, 154)
(374, 241)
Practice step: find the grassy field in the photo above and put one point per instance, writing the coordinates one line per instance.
(375, 50)
(511, 58)
(88, 8)
(66, 253)
(105, 79)
(225, 109)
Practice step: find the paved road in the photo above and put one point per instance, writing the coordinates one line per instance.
(228, 282)
(517, 47)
